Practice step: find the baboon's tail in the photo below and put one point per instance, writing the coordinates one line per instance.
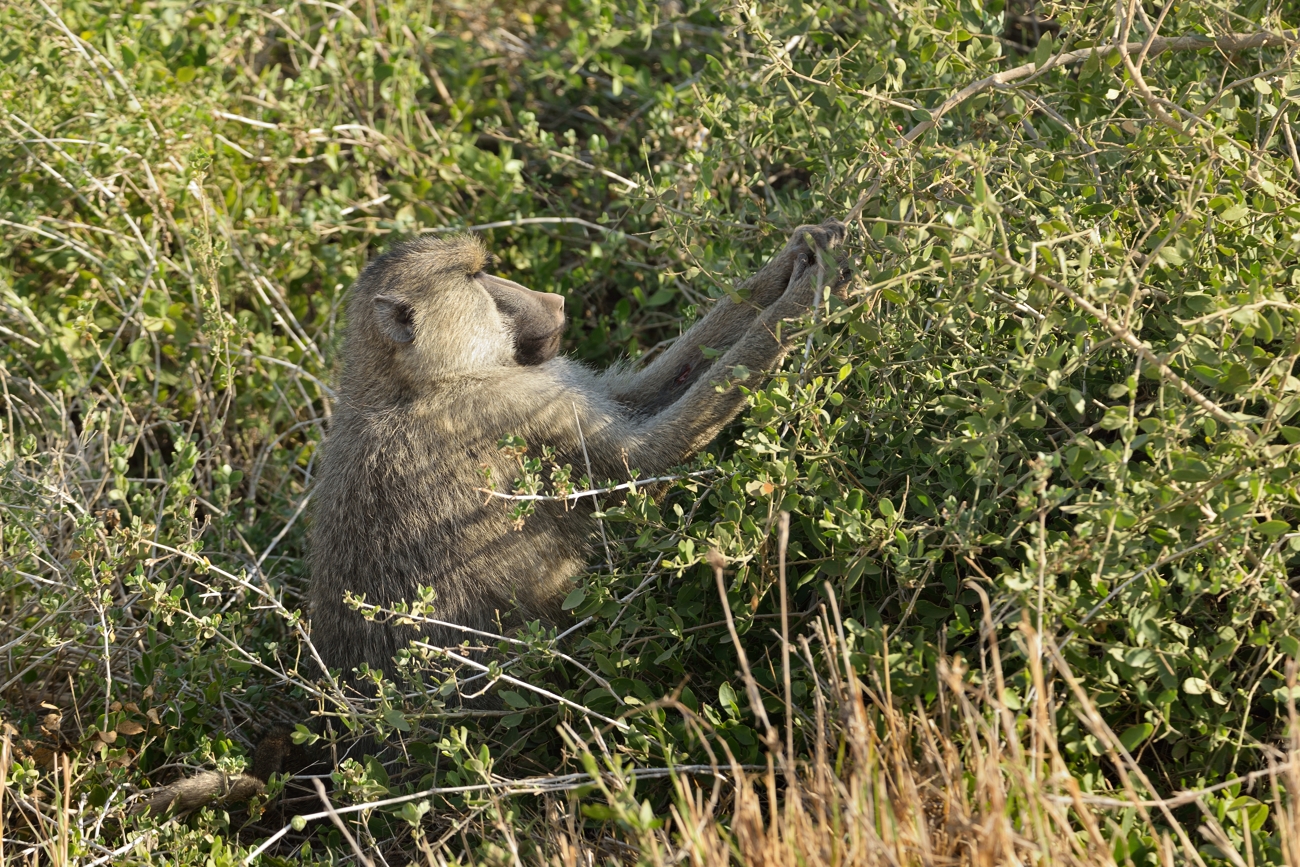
(190, 793)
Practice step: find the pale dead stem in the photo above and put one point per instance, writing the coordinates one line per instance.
(338, 823)
(522, 684)
(526, 786)
(1228, 42)
(274, 602)
(591, 492)
(403, 618)
(1157, 106)
(1127, 766)
(537, 221)
(1128, 338)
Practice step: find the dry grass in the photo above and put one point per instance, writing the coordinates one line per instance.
(972, 781)
(976, 784)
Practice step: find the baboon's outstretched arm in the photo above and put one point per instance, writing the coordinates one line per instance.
(655, 443)
(673, 373)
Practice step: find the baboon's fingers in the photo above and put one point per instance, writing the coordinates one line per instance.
(801, 290)
(827, 236)
(771, 282)
(838, 270)
(191, 793)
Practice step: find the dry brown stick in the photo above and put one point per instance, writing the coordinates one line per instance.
(1153, 102)
(338, 823)
(4, 774)
(782, 541)
(1227, 42)
(1090, 717)
(1192, 795)
(751, 686)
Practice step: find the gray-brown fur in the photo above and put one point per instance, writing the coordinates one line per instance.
(190, 793)
(398, 501)
(439, 363)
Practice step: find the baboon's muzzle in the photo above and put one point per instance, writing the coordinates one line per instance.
(536, 318)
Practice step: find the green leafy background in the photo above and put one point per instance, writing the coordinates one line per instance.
(189, 189)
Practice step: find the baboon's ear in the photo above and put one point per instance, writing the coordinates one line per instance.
(395, 318)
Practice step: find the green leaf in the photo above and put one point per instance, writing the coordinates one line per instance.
(1206, 374)
(1195, 686)
(1133, 736)
(394, 718)
(599, 812)
(930, 612)
(1236, 378)
(1162, 536)
(1192, 471)
(1272, 529)
(413, 811)
(574, 599)
(514, 699)
(1044, 51)
(1234, 214)
(1115, 418)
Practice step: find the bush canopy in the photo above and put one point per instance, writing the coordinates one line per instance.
(1042, 459)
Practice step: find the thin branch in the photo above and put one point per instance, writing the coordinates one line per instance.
(1177, 555)
(338, 823)
(531, 221)
(523, 684)
(529, 786)
(1127, 337)
(1227, 43)
(591, 492)
(1190, 796)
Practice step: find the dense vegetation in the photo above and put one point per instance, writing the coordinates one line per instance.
(1041, 464)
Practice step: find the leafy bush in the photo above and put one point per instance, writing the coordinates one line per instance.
(1063, 378)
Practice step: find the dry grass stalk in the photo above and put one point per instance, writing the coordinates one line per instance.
(883, 784)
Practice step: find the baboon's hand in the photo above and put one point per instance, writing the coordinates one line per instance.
(771, 283)
(812, 265)
(827, 236)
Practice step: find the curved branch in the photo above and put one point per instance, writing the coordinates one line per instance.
(1131, 340)
(1227, 43)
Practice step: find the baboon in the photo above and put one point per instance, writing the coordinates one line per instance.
(441, 361)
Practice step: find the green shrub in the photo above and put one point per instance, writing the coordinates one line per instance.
(1064, 373)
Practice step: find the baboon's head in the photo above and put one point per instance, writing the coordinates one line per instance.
(429, 310)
